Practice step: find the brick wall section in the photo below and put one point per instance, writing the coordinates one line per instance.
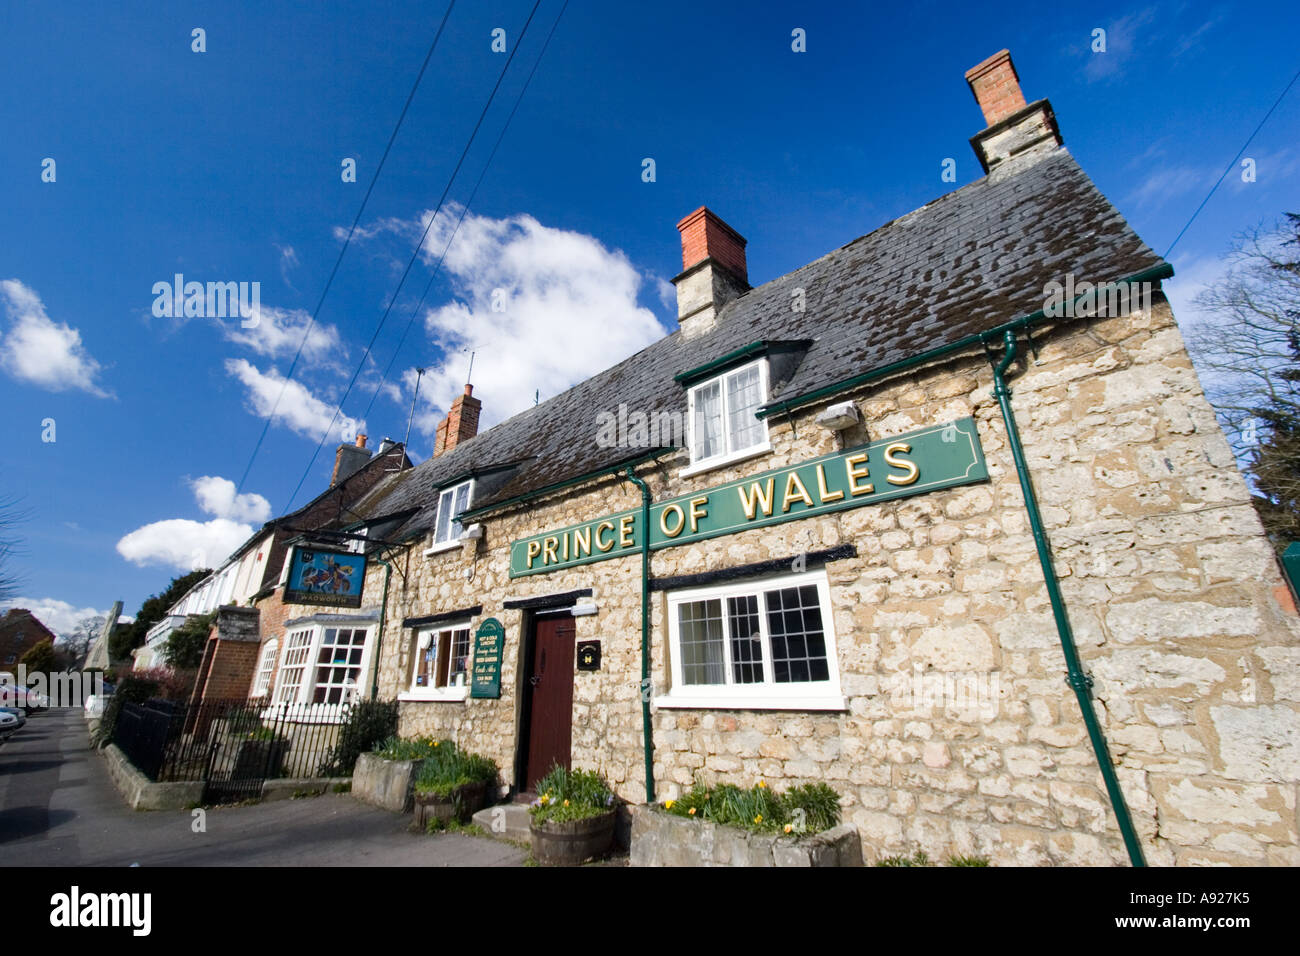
(705, 236)
(1168, 579)
(996, 87)
(20, 631)
(461, 423)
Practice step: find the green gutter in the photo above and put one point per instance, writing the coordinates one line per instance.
(604, 472)
(1076, 677)
(976, 340)
(646, 733)
(379, 646)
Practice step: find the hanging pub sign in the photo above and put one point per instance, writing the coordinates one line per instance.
(941, 456)
(489, 642)
(326, 577)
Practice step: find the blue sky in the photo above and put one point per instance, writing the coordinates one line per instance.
(225, 165)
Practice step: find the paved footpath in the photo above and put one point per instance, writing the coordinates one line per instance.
(58, 807)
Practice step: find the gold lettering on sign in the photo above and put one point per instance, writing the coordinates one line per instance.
(663, 521)
(548, 550)
(601, 545)
(854, 472)
(581, 541)
(909, 466)
(625, 531)
(534, 549)
(822, 491)
(756, 499)
(698, 512)
(794, 489)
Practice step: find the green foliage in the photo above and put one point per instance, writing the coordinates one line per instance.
(447, 767)
(185, 645)
(398, 748)
(567, 795)
(343, 787)
(956, 860)
(454, 826)
(368, 722)
(40, 657)
(919, 858)
(127, 638)
(129, 690)
(810, 808)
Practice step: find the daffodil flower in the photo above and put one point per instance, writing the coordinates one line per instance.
(668, 804)
(691, 811)
(759, 818)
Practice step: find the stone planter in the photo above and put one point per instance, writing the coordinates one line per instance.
(461, 804)
(663, 839)
(385, 783)
(568, 844)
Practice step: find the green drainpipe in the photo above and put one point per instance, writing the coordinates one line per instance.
(648, 739)
(1077, 679)
(379, 646)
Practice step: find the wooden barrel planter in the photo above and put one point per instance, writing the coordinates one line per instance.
(461, 804)
(573, 842)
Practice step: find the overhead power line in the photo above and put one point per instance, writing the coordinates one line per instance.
(414, 255)
(346, 242)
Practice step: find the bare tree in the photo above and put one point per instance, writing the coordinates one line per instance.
(1249, 358)
(11, 517)
(77, 644)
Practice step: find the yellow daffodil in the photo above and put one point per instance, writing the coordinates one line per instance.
(435, 743)
(762, 785)
(566, 803)
(691, 811)
(789, 828)
(759, 818)
(668, 804)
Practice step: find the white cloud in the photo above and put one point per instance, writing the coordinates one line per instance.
(298, 409)
(1165, 182)
(1121, 36)
(279, 332)
(542, 308)
(288, 262)
(59, 616)
(184, 544)
(217, 497)
(39, 350)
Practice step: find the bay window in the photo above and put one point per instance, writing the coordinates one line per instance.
(321, 664)
(761, 645)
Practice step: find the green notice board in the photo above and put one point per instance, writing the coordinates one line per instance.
(489, 644)
(1291, 562)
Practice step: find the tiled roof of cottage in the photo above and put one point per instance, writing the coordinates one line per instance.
(969, 261)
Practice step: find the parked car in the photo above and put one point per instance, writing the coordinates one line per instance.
(17, 712)
(9, 723)
(16, 695)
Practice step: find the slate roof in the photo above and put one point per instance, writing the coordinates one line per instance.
(962, 264)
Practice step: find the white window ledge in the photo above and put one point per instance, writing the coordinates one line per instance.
(443, 546)
(721, 461)
(732, 702)
(443, 694)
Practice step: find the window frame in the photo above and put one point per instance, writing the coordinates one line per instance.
(728, 454)
(437, 545)
(447, 692)
(304, 688)
(768, 695)
(266, 669)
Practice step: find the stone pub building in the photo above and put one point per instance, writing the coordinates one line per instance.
(951, 527)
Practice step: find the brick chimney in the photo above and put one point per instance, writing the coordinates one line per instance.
(1014, 128)
(461, 423)
(713, 270)
(349, 459)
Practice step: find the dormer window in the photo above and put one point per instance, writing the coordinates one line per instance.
(724, 426)
(451, 502)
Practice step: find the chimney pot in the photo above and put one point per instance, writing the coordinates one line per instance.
(361, 440)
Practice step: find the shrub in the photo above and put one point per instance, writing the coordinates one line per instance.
(810, 808)
(447, 767)
(919, 858)
(133, 689)
(368, 722)
(571, 795)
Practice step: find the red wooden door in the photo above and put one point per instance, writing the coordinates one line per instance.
(551, 714)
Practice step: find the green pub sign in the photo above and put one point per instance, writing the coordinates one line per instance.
(489, 643)
(941, 456)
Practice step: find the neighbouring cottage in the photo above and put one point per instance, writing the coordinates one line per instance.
(20, 631)
(911, 520)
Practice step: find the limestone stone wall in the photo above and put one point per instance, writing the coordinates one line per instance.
(1175, 598)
